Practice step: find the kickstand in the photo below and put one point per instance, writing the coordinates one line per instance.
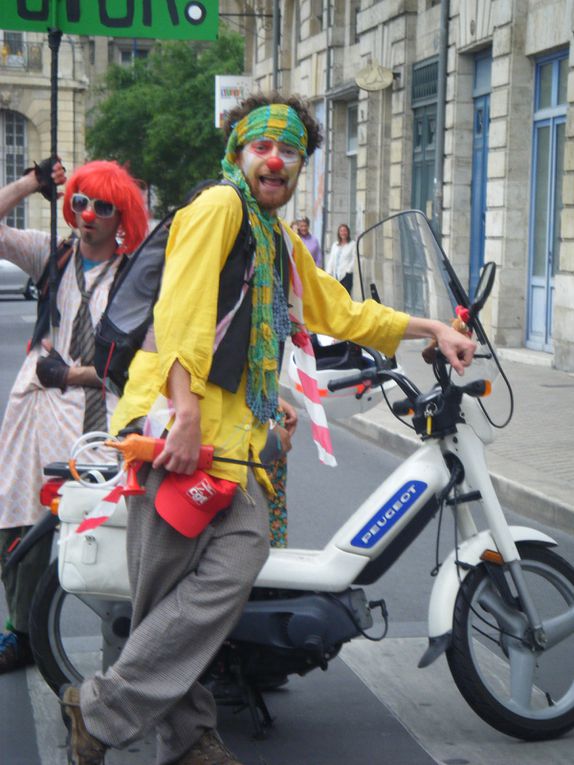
(260, 716)
(254, 701)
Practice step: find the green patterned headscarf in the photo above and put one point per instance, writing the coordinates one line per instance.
(277, 122)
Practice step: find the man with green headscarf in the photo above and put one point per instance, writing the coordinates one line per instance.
(187, 593)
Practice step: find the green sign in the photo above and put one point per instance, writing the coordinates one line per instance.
(160, 19)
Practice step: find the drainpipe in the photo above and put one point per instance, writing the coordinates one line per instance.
(438, 184)
(275, 30)
(327, 128)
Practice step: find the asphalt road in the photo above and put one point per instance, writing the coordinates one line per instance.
(372, 706)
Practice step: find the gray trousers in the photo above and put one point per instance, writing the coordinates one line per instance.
(21, 581)
(187, 594)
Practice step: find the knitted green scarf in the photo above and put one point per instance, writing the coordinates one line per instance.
(277, 122)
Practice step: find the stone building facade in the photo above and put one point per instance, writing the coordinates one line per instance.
(25, 105)
(25, 101)
(504, 131)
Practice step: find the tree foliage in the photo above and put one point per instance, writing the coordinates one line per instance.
(157, 116)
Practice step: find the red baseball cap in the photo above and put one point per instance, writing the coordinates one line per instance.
(190, 502)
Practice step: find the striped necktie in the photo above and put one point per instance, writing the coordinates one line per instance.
(82, 346)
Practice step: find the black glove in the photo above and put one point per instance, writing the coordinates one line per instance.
(43, 173)
(52, 371)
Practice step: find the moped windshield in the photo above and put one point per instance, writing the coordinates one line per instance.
(401, 259)
(401, 264)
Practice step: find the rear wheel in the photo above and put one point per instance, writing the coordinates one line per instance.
(71, 636)
(518, 688)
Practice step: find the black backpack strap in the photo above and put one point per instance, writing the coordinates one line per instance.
(229, 358)
(118, 340)
(63, 255)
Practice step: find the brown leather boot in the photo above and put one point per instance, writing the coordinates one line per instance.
(83, 748)
(209, 750)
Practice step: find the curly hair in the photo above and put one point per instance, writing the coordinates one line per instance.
(254, 101)
(110, 181)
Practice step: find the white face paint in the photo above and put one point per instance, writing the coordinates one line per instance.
(271, 169)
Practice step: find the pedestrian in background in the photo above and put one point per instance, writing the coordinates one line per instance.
(311, 242)
(341, 258)
(57, 395)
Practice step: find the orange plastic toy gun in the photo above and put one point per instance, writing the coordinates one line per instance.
(137, 449)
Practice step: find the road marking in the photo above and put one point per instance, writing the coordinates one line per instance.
(50, 730)
(430, 706)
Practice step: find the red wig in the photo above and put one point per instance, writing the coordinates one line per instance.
(112, 183)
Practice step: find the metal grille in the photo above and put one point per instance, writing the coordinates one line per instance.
(425, 82)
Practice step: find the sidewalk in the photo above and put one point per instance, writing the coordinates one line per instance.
(532, 459)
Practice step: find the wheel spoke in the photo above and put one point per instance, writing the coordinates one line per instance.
(508, 618)
(558, 628)
(522, 669)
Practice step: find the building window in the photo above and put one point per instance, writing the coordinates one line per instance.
(12, 49)
(424, 93)
(546, 203)
(131, 54)
(296, 36)
(354, 11)
(13, 159)
(263, 31)
(317, 16)
(352, 144)
(425, 81)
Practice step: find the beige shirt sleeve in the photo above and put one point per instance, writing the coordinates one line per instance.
(28, 249)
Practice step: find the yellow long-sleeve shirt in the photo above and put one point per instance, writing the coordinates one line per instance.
(201, 238)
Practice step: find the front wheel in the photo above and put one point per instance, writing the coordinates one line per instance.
(518, 688)
(73, 636)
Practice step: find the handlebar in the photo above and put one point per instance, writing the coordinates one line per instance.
(359, 378)
(376, 376)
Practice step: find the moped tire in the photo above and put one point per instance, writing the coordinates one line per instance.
(73, 636)
(524, 692)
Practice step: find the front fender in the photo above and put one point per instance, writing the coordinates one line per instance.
(450, 576)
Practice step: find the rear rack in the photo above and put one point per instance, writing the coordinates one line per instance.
(62, 470)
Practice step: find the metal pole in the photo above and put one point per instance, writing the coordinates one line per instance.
(54, 39)
(327, 128)
(275, 33)
(440, 121)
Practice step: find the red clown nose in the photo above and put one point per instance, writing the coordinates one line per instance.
(275, 164)
(88, 216)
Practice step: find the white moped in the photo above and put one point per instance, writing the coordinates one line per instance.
(502, 603)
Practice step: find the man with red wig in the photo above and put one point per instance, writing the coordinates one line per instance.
(57, 395)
